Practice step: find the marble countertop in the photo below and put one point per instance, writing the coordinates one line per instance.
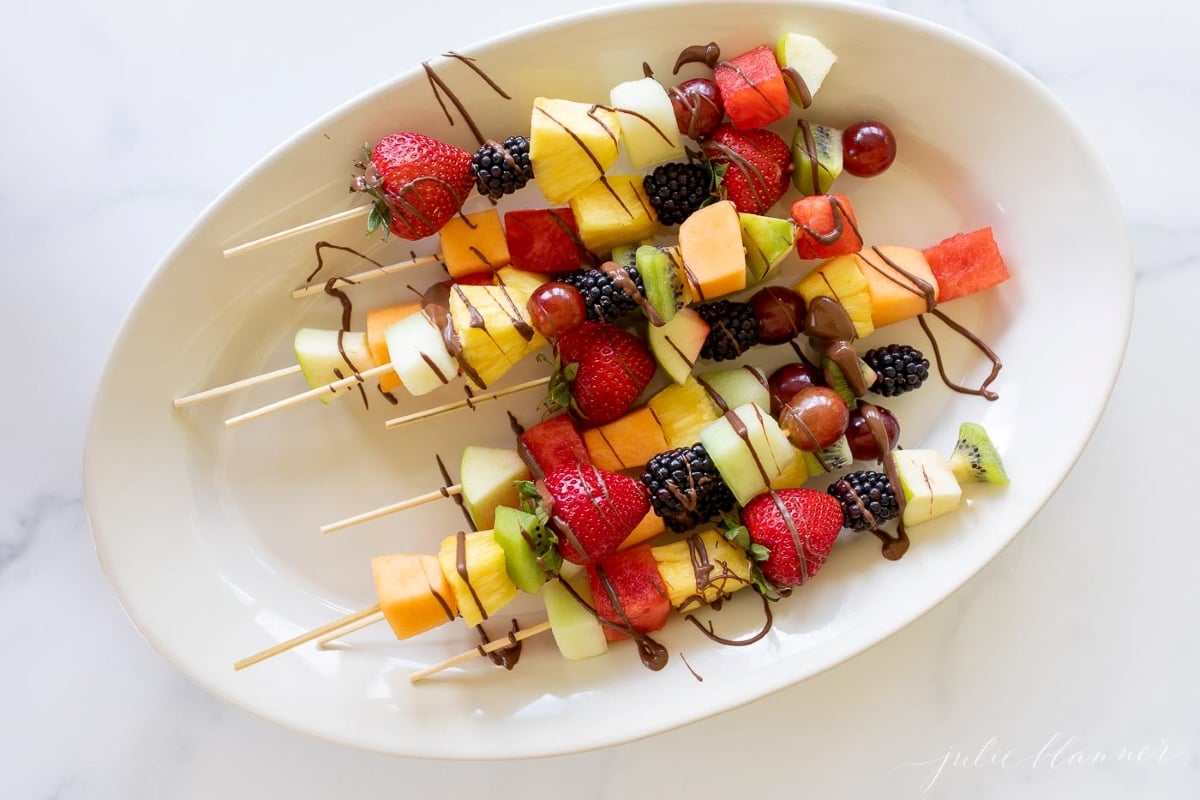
(1066, 668)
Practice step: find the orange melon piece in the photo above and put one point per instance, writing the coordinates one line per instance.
(710, 244)
(408, 586)
(627, 442)
(474, 243)
(378, 321)
(651, 525)
(894, 296)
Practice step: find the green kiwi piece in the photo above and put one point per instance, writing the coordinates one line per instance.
(827, 147)
(625, 255)
(975, 459)
(836, 456)
(836, 380)
(528, 547)
(660, 281)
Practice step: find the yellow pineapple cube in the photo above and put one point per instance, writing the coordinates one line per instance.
(571, 145)
(519, 280)
(727, 569)
(842, 279)
(794, 475)
(682, 410)
(614, 210)
(487, 587)
(494, 329)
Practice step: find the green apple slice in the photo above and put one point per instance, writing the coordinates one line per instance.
(487, 475)
(677, 344)
(319, 355)
(809, 59)
(767, 240)
(930, 488)
(419, 355)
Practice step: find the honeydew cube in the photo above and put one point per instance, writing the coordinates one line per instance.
(737, 386)
(419, 355)
(748, 449)
(648, 127)
(320, 356)
(574, 626)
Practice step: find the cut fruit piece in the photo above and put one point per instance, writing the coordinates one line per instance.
(419, 355)
(627, 442)
(661, 280)
(571, 145)
(842, 279)
(474, 243)
(736, 386)
(651, 525)
(816, 157)
(930, 488)
(975, 458)
(895, 295)
(752, 89)
(487, 475)
(833, 458)
(835, 380)
(494, 329)
(613, 211)
(748, 449)
(710, 244)
(378, 321)
(413, 593)
(327, 356)
(795, 474)
(804, 57)
(529, 552)
(648, 126)
(520, 280)
(826, 226)
(628, 592)
(474, 566)
(682, 410)
(677, 344)
(551, 444)
(767, 241)
(726, 569)
(577, 632)
(544, 240)
(966, 263)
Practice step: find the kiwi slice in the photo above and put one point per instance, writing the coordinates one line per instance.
(826, 147)
(660, 280)
(836, 456)
(837, 380)
(625, 255)
(529, 552)
(975, 459)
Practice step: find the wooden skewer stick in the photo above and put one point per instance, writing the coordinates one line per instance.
(360, 211)
(397, 422)
(368, 275)
(297, 399)
(336, 625)
(491, 647)
(365, 622)
(228, 388)
(411, 502)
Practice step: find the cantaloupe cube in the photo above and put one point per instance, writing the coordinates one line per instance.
(710, 243)
(627, 442)
(378, 321)
(409, 587)
(612, 211)
(651, 525)
(895, 296)
(474, 243)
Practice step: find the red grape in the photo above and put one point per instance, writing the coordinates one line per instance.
(868, 148)
(862, 443)
(556, 308)
(698, 107)
(789, 380)
(814, 419)
(778, 313)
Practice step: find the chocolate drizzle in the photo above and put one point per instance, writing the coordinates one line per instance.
(456, 497)
(506, 657)
(439, 87)
(893, 547)
(982, 391)
(707, 54)
(460, 566)
(621, 279)
(319, 246)
(708, 631)
(800, 89)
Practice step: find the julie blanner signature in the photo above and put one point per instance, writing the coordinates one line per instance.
(1058, 752)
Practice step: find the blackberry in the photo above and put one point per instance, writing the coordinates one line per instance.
(867, 499)
(732, 329)
(676, 190)
(501, 169)
(900, 369)
(685, 488)
(605, 301)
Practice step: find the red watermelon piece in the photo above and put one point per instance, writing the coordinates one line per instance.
(816, 217)
(633, 576)
(551, 444)
(544, 240)
(752, 89)
(966, 263)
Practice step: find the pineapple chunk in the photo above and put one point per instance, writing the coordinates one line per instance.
(489, 588)
(794, 475)
(493, 326)
(614, 211)
(841, 278)
(520, 280)
(682, 410)
(571, 145)
(687, 589)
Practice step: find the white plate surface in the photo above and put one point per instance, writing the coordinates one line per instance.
(210, 537)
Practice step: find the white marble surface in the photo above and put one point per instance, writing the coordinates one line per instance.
(121, 124)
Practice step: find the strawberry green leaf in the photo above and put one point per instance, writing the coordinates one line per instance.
(758, 552)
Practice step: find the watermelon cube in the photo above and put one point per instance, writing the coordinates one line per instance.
(825, 226)
(544, 240)
(753, 89)
(631, 575)
(551, 444)
(966, 263)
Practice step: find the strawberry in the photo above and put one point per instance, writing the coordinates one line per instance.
(781, 520)
(418, 183)
(594, 510)
(759, 164)
(606, 368)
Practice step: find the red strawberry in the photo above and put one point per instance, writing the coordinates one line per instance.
(614, 367)
(760, 164)
(418, 183)
(630, 578)
(594, 510)
(778, 520)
